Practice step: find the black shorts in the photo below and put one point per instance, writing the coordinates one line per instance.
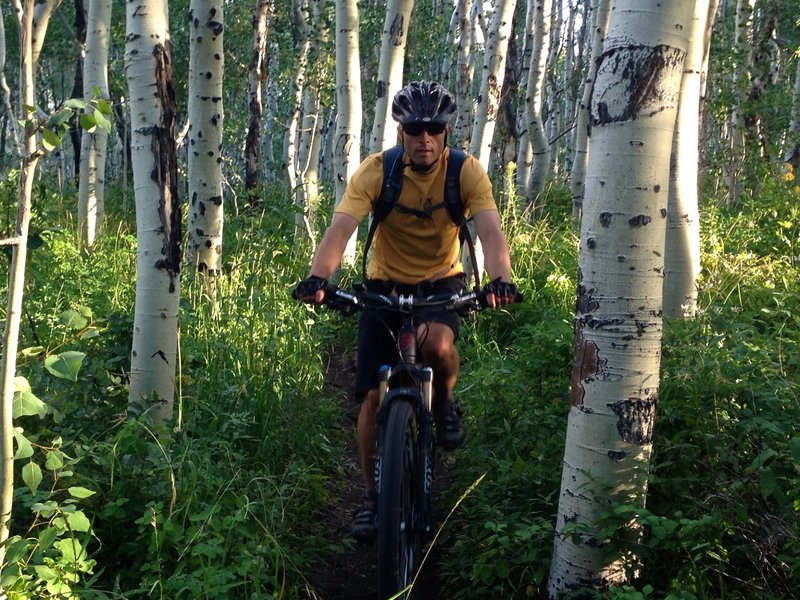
(377, 329)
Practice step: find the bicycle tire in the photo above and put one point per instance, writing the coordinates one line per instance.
(399, 543)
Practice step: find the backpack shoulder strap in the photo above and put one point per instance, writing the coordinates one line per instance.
(452, 186)
(390, 192)
(455, 207)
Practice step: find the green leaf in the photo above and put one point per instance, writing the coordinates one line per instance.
(16, 549)
(47, 537)
(46, 509)
(90, 333)
(104, 106)
(65, 365)
(50, 139)
(45, 573)
(76, 104)
(32, 476)
(33, 351)
(794, 448)
(88, 122)
(73, 319)
(53, 461)
(80, 492)
(24, 447)
(25, 403)
(101, 120)
(78, 521)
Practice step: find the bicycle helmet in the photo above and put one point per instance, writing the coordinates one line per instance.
(423, 102)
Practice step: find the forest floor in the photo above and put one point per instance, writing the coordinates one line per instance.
(349, 570)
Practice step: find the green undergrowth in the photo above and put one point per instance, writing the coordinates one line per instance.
(229, 508)
(724, 497)
(226, 508)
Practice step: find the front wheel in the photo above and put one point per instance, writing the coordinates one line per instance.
(398, 541)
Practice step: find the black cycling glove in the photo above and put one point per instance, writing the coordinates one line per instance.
(309, 287)
(500, 288)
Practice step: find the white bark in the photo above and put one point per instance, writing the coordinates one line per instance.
(347, 145)
(792, 155)
(743, 43)
(291, 137)
(618, 323)
(255, 75)
(481, 144)
(158, 223)
(206, 114)
(553, 124)
(682, 250)
(6, 91)
(600, 14)
(390, 71)
(524, 154)
(92, 184)
(494, 64)
(465, 67)
(31, 39)
(535, 85)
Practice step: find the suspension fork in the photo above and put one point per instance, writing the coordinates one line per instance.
(422, 521)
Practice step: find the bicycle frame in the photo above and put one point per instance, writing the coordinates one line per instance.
(410, 381)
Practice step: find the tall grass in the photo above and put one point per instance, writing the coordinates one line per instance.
(228, 508)
(723, 503)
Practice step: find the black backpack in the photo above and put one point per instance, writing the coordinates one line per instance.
(390, 193)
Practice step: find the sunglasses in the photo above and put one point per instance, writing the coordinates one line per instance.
(429, 128)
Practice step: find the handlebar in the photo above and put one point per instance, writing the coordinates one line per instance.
(349, 302)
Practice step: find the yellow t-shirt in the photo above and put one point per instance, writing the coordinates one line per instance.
(408, 248)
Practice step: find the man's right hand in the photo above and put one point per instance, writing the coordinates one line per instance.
(310, 289)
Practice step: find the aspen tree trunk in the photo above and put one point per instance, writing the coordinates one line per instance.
(568, 96)
(618, 322)
(148, 70)
(32, 33)
(92, 183)
(465, 67)
(445, 74)
(301, 49)
(682, 246)
(206, 114)
(535, 86)
(390, 71)
(792, 156)
(309, 149)
(267, 152)
(6, 91)
(524, 154)
(256, 75)
(494, 64)
(347, 144)
(743, 48)
(600, 12)
(494, 67)
(554, 50)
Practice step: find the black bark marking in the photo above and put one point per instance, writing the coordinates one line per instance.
(396, 30)
(605, 219)
(165, 173)
(636, 418)
(642, 83)
(587, 363)
(639, 221)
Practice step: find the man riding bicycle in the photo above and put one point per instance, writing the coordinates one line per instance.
(416, 250)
